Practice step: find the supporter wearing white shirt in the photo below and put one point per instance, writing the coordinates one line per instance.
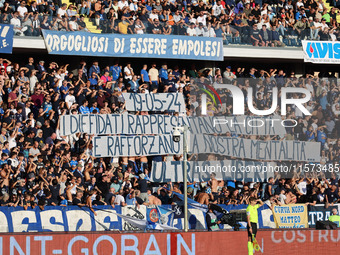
(134, 6)
(202, 18)
(332, 35)
(119, 200)
(73, 24)
(299, 4)
(62, 11)
(282, 197)
(22, 9)
(310, 87)
(177, 17)
(15, 21)
(323, 24)
(153, 15)
(122, 4)
(191, 31)
(209, 31)
(302, 186)
(336, 109)
(128, 72)
(199, 30)
(70, 99)
(218, 9)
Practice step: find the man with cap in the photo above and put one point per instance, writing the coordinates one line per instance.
(211, 220)
(301, 28)
(200, 29)
(191, 30)
(116, 184)
(228, 74)
(106, 76)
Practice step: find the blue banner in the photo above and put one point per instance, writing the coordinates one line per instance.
(136, 46)
(74, 218)
(319, 213)
(6, 38)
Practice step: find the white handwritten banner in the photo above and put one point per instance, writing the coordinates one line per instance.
(245, 125)
(256, 149)
(154, 102)
(143, 145)
(159, 124)
(198, 171)
(148, 145)
(110, 124)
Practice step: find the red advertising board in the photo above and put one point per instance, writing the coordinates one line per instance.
(227, 242)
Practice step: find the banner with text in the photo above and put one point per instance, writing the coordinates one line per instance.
(135, 46)
(320, 213)
(111, 124)
(173, 102)
(74, 218)
(321, 52)
(291, 216)
(143, 145)
(255, 149)
(6, 38)
(199, 171)
(243, 125)
(158, 124)
(275, 242)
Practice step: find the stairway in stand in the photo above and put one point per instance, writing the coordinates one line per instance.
(89, 25)
(328, 6)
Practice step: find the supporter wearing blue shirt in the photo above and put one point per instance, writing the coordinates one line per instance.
(116, 72)
(323, 100)
(94, 107)
(47, 106)
(321, 135)
(73, 162)
(163, 73)
(84, 109)
(144, 74)
(310, 134)
(94, 68)
(3, 162)
(131, 199)
(93, 81)
(64, 90)
(148, 7)
(134, 83)
(4, 158)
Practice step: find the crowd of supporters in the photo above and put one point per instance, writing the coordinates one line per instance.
(261, 23)
(40, 167)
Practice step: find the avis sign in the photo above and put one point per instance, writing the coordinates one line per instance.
(321, 52)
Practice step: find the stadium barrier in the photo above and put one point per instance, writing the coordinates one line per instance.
(300, 242)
